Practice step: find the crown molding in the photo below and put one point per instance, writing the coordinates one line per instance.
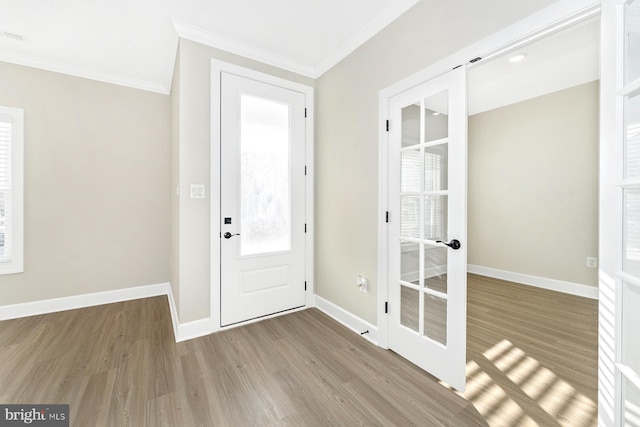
(390, 14)
(60, 67)
(202, 36)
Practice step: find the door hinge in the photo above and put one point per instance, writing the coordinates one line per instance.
(305, 112)
(387, 125)
(456, 67)
(305, 171)
(305, 285)
(475, 59)
(305, 228)
(386, 217)
(386, 307)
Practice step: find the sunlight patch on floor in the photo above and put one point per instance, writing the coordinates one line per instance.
(550, 400)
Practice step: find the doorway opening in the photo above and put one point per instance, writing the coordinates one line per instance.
(533, 220)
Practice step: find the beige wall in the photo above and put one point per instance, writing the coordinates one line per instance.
(347, 133)
(533, 180)
(96, 179)
(195, 168)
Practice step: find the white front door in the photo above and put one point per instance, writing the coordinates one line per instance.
(427, 230)
(262, 206)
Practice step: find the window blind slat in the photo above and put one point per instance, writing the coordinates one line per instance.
(5, 189)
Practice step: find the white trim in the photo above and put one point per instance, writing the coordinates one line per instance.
(259, 319)
(36, 308)
(527, 29)
(181, 331)
(86, 73)
(217, 67)
(552, 17)
(393, 12)
(218, 41)
(175, 319)
(208, 38)
(347, 319)
(571, 288)
(194, 329)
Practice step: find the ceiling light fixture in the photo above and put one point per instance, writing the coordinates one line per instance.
(436, 114)
(517, 58)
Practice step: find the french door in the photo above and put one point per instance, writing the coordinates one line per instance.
(620, 298)
(427, 231)
(262, 206)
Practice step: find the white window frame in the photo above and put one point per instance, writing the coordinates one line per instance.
(16, 264)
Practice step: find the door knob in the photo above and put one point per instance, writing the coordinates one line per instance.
(454, 244)
(228, 235)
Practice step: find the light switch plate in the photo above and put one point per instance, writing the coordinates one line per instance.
(197, 191)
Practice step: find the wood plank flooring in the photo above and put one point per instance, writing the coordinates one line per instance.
(531, 361)
(531, 355)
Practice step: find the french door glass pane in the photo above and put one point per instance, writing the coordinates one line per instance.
(265, 191)
(632, 135)
(631, 404)
(631, 326)
(435, 217)
(436, 117)
(410, 217)
(632, 42)
(435, 268)
(411, 168)
(436, 161)
(409, 307)
(435, 318)
(410, 125)
(410, 262)
(631, 260)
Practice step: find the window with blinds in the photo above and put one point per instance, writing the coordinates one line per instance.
(11, 177)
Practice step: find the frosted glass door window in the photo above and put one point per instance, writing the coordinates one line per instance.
(265, 191)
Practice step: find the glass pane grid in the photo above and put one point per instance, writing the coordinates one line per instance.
(630, 403)
(424, 203)
(632, 135)
(631, 259)
(632, 41)
(631, 326)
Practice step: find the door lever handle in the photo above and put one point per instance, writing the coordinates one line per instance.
(228, 235)
(454, 244)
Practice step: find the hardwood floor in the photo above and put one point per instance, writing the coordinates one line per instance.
(531, 355)
(119, 365)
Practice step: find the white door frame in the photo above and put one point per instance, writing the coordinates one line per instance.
(553, 18)
(218, 67)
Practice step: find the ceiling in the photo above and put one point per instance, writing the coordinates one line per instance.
(564, 59)
(133, 42)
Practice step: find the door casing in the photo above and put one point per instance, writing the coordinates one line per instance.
(218, 67)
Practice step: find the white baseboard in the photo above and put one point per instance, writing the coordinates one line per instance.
(539, 282)
(188, 330)
(349, 320)
(54, 305)
(181, 331)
